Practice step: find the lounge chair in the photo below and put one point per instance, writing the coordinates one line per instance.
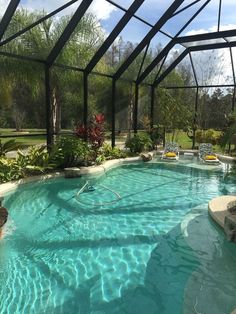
(206, 155)
(171, 152)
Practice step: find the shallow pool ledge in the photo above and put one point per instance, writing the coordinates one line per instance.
(108, 165)
(12, 185)
(217, 208)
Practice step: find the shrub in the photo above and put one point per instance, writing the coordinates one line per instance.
(139, 142)
(95, 132)
(36, 160)
(10, 169)
(111, 153)
(71, 151)
(208, 136)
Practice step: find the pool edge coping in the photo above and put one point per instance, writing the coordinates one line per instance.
(217, 208)
(92, 170)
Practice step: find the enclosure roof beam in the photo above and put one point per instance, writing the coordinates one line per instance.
(138, 17)
(219, 15)
(113, 35)
(171, 44)
(6, 19)
(171, 67)
(143, 60)
(194, 48)
(163, 53)
(207, 36)
(193, 68)
(199, 86)
(164, 18)
(19, 57)
(44, 18)
(65, 36)
(232, 64)
(77, 69)
(213, 46)
(185, 8)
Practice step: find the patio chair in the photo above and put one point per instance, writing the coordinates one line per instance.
(171, 152)
(206, 155)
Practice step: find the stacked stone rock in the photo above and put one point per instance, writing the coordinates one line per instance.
(3, 216)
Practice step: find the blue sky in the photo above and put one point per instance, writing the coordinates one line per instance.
(151, 10)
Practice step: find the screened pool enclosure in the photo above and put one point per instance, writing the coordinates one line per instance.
(138, 50)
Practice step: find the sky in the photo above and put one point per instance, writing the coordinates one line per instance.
(150, 10)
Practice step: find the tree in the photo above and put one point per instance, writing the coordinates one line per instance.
(38, 42)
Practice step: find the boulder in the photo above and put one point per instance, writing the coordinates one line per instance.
(146, 156)
(73, 172)
(3, 216)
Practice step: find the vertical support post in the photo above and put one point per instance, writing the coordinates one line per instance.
(232, 110)
(135, 117)
(233, 99)
(49, 119)
(113, 113)
(152, 106)
(195, 118)
(219, 16)
(85, 117)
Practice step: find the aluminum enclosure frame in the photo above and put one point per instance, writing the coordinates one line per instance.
(186, 41)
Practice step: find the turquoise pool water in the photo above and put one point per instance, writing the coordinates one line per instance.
(154, 250)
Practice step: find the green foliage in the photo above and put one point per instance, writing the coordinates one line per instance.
(8, 146)
(139, 142)
(71, 151)
(36, 160)
(228, 137)
(109, 153)
(174, 111)
(10, 169)
(208, 136)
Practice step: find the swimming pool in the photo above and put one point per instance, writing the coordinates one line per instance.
(153, 250)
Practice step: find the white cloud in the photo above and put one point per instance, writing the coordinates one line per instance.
(101, 10)
(213, 66)
(211, 29)
(3, 6)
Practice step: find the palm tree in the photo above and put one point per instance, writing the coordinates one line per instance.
(38, 42)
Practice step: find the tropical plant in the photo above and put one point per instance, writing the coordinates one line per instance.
(111, 153)
(94, 133)
(10, 169)
(139, 142)
(208, 136)
(36, 159)
(71, 151)
(8, 146)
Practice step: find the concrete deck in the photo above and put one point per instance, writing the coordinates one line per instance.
(218, 209)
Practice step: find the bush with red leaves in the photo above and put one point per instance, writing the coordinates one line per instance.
(95, 131)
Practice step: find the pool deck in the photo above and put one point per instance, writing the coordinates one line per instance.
(218, 209)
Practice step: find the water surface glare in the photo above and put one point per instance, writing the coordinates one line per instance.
(154, 250)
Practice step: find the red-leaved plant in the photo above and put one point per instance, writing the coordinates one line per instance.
(95, 131)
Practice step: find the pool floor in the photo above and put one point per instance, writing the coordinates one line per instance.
(153, 250)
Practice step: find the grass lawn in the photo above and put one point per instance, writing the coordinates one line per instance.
(22, 138)
(181, 138)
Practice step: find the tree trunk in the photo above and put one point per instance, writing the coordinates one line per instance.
(56, 113)
(164, 137)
